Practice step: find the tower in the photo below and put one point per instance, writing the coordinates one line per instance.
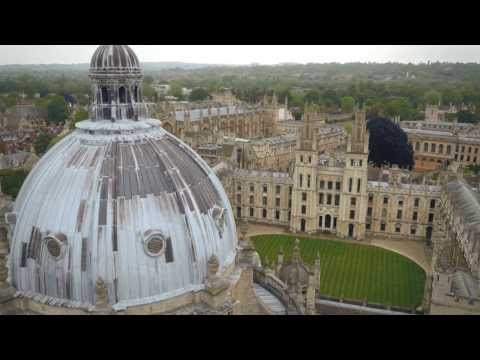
(354, 198)
(305, 177)
(116, 78)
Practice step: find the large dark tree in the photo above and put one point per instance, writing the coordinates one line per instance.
(388, 144)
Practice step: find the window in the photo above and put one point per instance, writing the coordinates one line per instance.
(122, 95)
(368, 226)
(430, 217)
(352, 214)
(337, 185)
(417, 146)
(469, 149)
(369, 211)
(461, 157)
(277, 189)
(264, 213)
(301, 158)
(239, 199)
(399, 214)
(433, 147)
(304, 196)
(239, 187)
(251, 199)
(289, 215)
(425, 147)
(320, 198)
(352, 163)
(252, 188)
(309, 159)
(264, 201)
(251, 212)
(359, 185)
(330, 185)
(370, 198)
(413, 230)
(353, 201)
(334, 223)
(239, 212)
(476, 150)
(350, 184)
(382, 226)
(304, 209)
(360, 163)
(290, 203)
(308, 181)
(300, 180)
(385, 200)
(320, 222)
(416, 202)
(328, 220)
(322, 184)
(398, 227)
(277, 202)
(329, 199)
(337, 200)
(432, 204)
(440, 148)
(475, 159)
(400, 202)
(415, 216)
(277, 215)
(449, 149)
(468, 158)
(265, 189)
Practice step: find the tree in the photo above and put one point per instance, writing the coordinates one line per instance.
(198, 94)
(347, 103)
(388, 144)
(80, 115)
(57, 110)
(467, 117)
(41, 143)
(432, 97)
(149, 92)
(399, 107)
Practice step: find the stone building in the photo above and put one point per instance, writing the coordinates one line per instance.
(121, 217)
(330, 190)
(438, 144)
(455, 270)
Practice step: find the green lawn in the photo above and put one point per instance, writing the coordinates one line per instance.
(354, 271)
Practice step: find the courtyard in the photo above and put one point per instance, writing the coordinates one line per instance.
(352, 271)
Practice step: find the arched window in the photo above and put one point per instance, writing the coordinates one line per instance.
(328, 220)
(417, 146)
(425, 147)
(135, 94)
(433, 147)
(122, 95)
(105, 97)
(440, 148)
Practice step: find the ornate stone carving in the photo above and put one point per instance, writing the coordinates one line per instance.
(214, 283)
(101, 293)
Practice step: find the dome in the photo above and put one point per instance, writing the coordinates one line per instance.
(124, 202)
(114, 58)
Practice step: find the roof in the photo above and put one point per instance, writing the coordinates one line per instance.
(114, 57)
(199, 114)
(108, 194)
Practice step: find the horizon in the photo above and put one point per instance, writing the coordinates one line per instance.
(248, 55)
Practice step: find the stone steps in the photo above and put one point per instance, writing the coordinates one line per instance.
(270, 301)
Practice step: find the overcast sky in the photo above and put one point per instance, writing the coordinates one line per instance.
(247, 54)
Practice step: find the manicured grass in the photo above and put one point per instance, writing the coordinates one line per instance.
(353, 271)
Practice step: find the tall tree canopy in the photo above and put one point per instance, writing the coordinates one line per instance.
(347, 103)
(57, 110)
(388, 144)
(198, 94)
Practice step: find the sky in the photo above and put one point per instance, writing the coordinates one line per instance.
(248, 54)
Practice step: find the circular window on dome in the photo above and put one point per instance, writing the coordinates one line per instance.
(154, 243)
(55, 247)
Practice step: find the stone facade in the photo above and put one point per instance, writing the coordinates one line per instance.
(438, 144)
(330, 190)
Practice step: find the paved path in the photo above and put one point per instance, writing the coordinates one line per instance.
(269, 300)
